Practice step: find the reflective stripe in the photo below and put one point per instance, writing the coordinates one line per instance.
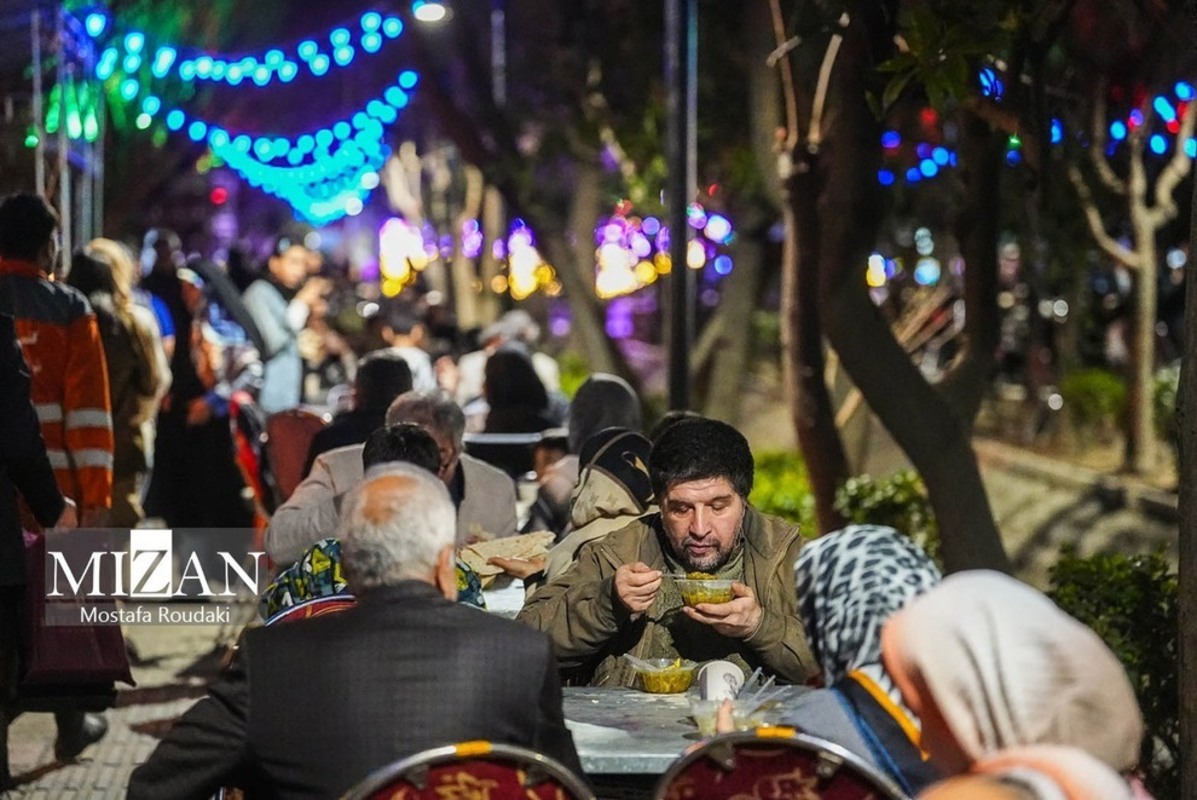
(92, 458)
(88, 418)
(48, 412)
(58, 459)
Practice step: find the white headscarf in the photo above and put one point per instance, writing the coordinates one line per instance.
(1007, 668)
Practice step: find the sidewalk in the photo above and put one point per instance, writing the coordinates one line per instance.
(177, 660)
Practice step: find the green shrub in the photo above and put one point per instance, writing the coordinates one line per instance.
(899, 501)
(1131, 602)
(574, 372)
(1163, 397)
(1094, 397)
(781, 487)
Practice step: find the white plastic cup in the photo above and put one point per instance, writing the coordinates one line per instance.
(719, 680)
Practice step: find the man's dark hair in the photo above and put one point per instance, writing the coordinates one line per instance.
(381, 376)
(670, 419)
(404, 442)
(26, 224)
(698, 448)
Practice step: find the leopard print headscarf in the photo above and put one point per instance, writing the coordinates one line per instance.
(849, 583)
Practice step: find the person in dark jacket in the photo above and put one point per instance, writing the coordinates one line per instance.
(517, 399)
(27, 487)
(381, 376)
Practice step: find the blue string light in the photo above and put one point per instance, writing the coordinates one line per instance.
(274, 64)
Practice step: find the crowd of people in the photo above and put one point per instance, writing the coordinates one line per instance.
(973, 685)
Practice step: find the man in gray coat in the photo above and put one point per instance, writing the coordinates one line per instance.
(484, 496)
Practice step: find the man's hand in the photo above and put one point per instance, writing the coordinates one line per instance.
(519, 567)
(93, 517)
(636, 586)
(69, 517)
(198, 412)
(738, 618)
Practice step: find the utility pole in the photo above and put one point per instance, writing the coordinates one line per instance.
(681, 70)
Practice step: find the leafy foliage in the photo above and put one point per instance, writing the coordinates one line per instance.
(899, 501)
(1093, 397)
(781, 487)
(575, 369)
(1165, 386)
(1131, 602)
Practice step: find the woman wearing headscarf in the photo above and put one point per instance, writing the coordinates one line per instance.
(138, 370)
(614, 490)
(1017, 699)
(849, 583)
(602, 401)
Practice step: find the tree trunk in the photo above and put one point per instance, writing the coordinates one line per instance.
(1186, 417)
(1140, 424)
(803, 364)
(920, 419)
(981, 154)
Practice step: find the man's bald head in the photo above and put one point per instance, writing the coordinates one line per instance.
(394, 525)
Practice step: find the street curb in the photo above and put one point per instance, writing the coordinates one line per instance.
(1115, 491)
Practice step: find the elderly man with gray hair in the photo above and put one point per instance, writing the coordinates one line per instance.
(313, 707)
(483, 495)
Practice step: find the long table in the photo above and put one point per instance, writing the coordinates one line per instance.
(628, 732)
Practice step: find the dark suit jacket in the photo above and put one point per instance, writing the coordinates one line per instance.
(320, 703)
(24, 466)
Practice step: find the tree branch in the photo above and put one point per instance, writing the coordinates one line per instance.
(1097, 150)
(1177, 170)
(1007, 120)
(1109, 246)
(786, 71)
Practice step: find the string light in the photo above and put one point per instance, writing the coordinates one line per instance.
(276, 63)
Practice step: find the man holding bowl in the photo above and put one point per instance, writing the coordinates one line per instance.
(623, 595)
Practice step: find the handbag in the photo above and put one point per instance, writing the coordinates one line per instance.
(64, 655)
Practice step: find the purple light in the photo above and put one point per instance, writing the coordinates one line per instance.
(612, 233)
(619, 319)
(723, 265)
(923, 150)
(650, 225)
(663, 240)
(696, 216)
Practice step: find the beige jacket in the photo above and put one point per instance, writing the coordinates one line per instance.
(591, 630)
(312, 512)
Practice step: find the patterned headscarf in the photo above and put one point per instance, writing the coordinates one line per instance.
(849, 583)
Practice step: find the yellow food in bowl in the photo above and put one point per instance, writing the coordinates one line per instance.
(668, 681)
(695, 592)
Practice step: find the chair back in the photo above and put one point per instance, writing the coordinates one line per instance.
(510, 452)
(773, 764)
(316, 607)
(473, 769)
(289, 435)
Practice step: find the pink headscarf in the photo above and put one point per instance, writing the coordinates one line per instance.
(1008, 669)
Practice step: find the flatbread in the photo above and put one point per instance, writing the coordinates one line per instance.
(529, 545)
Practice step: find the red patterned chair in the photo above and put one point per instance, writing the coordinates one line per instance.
(316, 607)
(772, 764)
(289, 434)
(473, 771)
